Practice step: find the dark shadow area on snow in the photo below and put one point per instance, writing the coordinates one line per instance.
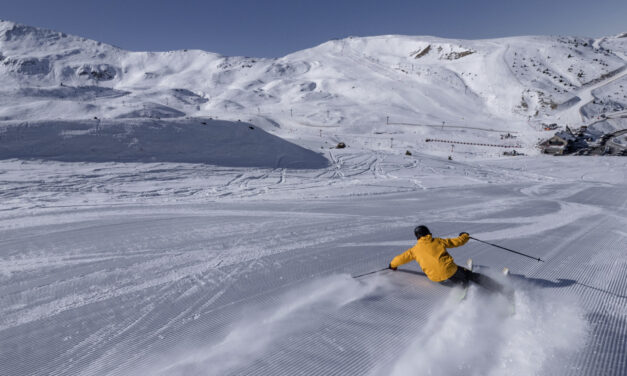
(539, 282)
(561, 282)
(207, 141)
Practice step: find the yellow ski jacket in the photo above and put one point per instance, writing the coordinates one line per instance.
(432, 256)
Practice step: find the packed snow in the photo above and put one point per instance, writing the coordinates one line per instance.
(186, 213)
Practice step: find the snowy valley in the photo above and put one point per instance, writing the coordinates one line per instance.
(186, 213)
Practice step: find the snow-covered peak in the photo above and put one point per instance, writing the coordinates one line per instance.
(21, 38)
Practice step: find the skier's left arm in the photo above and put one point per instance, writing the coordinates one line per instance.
(456, 242)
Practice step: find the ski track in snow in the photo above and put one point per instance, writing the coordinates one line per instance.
(224, 271)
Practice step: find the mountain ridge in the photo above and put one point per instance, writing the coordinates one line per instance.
(355, 85)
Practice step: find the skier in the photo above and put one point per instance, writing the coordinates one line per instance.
(438, 264)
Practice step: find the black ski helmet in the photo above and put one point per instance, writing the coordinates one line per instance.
(421, 231)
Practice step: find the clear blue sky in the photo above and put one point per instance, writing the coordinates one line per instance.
(275, 28)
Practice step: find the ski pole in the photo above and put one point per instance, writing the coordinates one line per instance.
(372, 272)
(507, 249)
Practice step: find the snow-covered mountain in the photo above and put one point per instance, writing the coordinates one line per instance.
(353, 89)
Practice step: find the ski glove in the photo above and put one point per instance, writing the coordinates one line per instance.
(390, 267)
(462, 233)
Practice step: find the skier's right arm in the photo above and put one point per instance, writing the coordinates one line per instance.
(401, 259)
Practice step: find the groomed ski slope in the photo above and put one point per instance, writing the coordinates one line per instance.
(182, 269)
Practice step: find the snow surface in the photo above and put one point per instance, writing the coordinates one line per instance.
(216, 142)
(120, 257)
(124, 268)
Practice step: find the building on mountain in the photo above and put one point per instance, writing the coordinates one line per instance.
(561, 143)
(586, 142)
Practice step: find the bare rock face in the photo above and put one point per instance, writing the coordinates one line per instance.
(27, 65)
(100, 72)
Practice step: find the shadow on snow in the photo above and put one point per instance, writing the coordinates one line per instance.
(222, 143)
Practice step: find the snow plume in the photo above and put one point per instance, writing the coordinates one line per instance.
(483, 335)
(253, 336)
